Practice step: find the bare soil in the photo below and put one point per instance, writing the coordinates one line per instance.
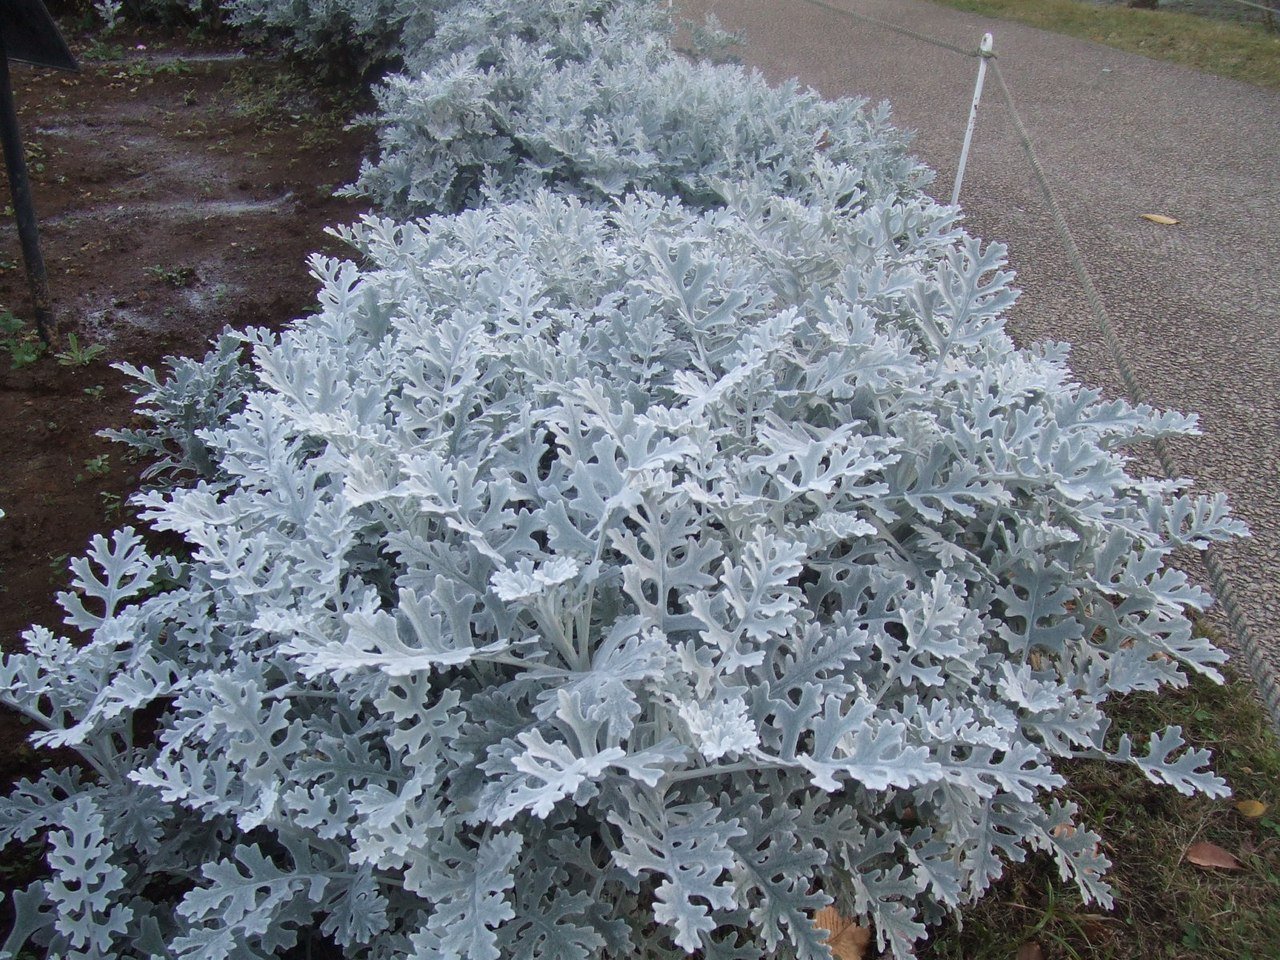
(180, 187)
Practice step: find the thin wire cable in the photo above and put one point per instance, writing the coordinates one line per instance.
(1261, 670)
(896, 28)
(1257, 6)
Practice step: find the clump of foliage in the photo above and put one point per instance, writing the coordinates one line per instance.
(79, 354)
(627, 114)
(19, 341)
(351, 37)
(1165, 905)
(668, 546)
(619, 583)
(369, 35)
(566, 29)
(195, 395)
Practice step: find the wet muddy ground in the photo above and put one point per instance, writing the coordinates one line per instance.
(180, 188)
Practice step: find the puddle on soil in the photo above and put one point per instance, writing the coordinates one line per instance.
(181, 210)
(224, 56)
(210, 295)
(207, 299)
(149, 154)
(105, 324)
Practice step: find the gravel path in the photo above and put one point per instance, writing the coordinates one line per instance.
(1197, 305)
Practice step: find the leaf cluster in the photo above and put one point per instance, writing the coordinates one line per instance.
(596, 112)
(630, 563)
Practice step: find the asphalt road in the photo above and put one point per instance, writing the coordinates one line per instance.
(1196, 305)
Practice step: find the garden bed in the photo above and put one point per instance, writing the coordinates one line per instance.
(592, 573)
(181, 187)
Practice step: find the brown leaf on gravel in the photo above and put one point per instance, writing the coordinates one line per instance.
(1030, 951)
(1205, 854)
(847, 940)
(1160, 218)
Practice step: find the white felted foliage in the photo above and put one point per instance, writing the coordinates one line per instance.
(367, 34)
(602, 110)
(194, 395)
(615, 583)
(358, 33)
(618, 581)
(567, 29)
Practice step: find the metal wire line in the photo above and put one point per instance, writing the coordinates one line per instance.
(1256, 6)
(896, 28)
(1260, 669)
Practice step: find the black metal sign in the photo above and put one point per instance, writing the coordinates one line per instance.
(29, 35)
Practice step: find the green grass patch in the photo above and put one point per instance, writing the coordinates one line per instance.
(1166, 908)
(1239, 51)
(278, 101)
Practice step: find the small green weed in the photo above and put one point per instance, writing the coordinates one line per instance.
(24, 353)
(22, 345)
(77, 355)
(172, 276)
(98, 466)
(111, 504)
(101, 50)
(147, 69)
(58, 567)
(96, 391)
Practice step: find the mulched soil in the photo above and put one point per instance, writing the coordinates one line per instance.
(180, 187)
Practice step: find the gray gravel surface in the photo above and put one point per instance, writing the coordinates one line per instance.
(1196, 305)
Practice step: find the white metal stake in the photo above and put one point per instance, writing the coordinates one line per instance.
(988, 43)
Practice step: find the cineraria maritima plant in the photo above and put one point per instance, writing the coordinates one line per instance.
(614, 583)
(609, 110)
(368, 34)
(600, 575)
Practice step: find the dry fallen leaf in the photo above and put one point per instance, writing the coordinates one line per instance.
(1251, 808)
(1160, 218)
(847, 940)
(1211, 855)
(1030, 951)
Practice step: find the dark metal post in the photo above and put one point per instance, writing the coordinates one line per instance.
(24, 211)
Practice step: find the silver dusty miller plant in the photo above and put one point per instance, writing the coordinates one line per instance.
(417, 33)
(614, 583)
(599, 575)
(599, 110)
